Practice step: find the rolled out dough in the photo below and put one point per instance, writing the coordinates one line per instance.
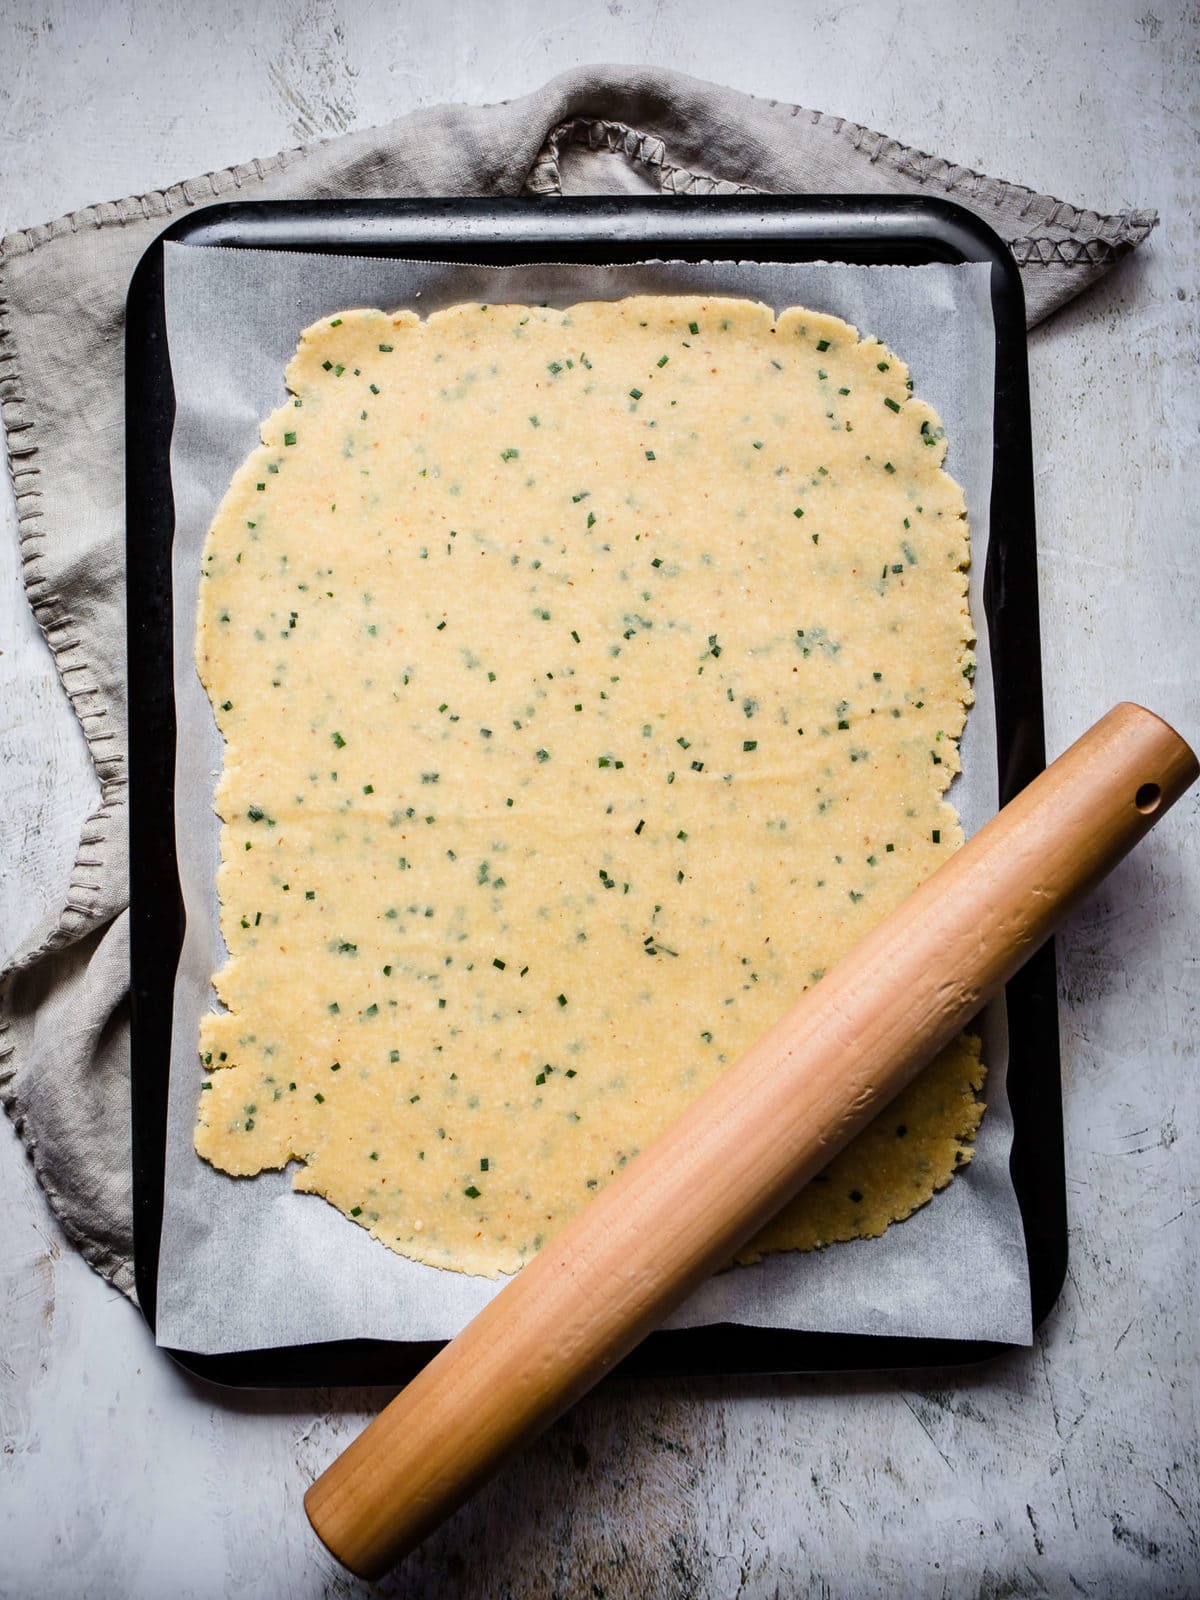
(590, 682)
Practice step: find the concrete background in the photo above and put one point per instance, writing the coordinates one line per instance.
(1071, 1469)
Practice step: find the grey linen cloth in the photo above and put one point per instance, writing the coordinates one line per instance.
(64, 1029)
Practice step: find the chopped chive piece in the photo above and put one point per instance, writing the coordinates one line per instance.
(892, 405)
(937, 836)
(650, 456)
(749, 744)
(822, 344)
(338, 740)
(635, 394)
(471, 1192)
(693, 327)
(662, 361)
(289, 438)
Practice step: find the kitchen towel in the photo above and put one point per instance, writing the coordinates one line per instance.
(64, 1031)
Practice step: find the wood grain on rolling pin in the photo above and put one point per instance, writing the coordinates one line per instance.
(768, 1125)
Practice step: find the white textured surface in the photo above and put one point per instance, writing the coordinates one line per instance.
(1074, 1469)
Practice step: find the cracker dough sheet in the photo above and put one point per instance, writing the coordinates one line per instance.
(591, 673)
(590, 681)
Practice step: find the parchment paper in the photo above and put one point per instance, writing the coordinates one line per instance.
(249, 1264)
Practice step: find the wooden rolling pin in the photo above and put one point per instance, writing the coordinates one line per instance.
(767, 1125)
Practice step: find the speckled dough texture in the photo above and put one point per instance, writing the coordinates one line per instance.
(590, 682)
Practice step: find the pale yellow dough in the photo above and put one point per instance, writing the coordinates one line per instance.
(590, 681)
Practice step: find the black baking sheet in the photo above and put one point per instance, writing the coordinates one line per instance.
(849, 229)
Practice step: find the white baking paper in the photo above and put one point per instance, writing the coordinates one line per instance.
(249, 1264)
